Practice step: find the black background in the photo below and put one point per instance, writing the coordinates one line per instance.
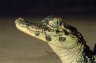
(42, 7)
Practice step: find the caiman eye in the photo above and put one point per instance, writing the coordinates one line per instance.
(37, 33)
(61, 39)
(48, 38)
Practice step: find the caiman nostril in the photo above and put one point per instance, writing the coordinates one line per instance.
(48, 38)
(37, 33)
(61, 39)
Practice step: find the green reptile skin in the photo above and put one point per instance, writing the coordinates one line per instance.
(64, 39)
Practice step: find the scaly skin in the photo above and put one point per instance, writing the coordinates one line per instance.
(64, 39)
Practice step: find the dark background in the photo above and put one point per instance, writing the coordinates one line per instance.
(45, 7)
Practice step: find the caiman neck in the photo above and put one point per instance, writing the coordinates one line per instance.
(73, 55)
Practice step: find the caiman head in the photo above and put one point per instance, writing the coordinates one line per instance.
(53, 31)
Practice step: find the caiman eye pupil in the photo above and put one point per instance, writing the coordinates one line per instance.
(61, 39)
(57, 22)
(37, 33)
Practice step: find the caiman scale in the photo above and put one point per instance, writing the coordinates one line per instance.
(64, 39)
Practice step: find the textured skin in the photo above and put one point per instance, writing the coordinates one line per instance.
(64, 39)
